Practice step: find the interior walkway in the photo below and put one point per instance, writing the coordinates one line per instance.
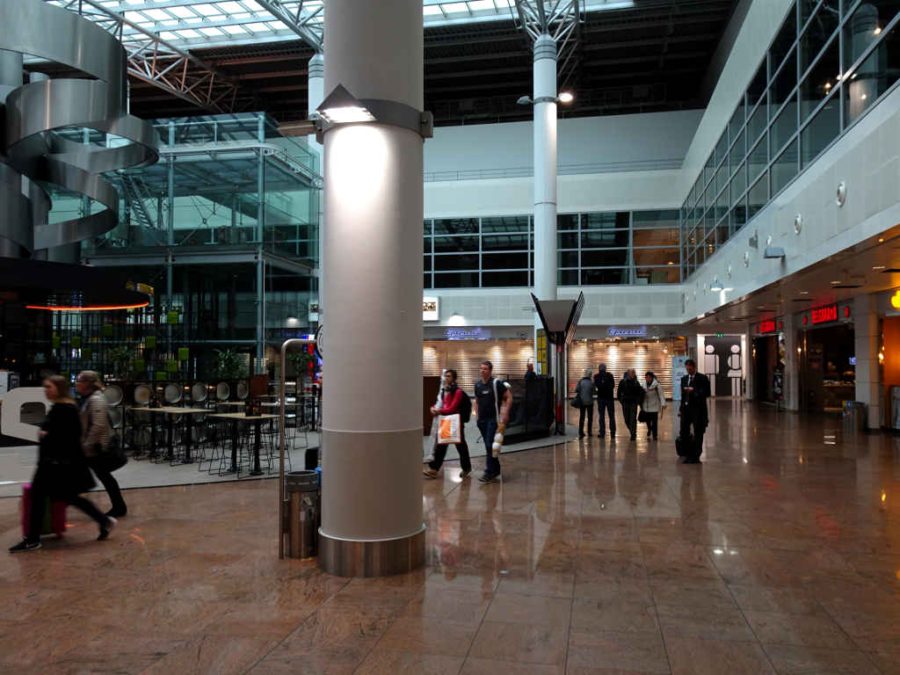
(781, 553)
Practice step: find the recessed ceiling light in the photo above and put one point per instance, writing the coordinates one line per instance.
(880, 240)
(835, 282)
(878, 267)
(804, 292)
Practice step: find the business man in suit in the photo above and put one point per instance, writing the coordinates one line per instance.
(694, 415)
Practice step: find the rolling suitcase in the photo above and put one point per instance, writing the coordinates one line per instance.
(54, 514)
(684, 446)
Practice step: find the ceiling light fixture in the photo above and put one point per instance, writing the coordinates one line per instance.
(566, 97)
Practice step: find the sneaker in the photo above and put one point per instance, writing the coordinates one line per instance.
(429, 473)
(489, 478)
(106, 529)
(464, 474)
(116, 513)
(25, 545)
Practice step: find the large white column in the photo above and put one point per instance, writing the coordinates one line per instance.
(545, 245)
(371, 484)
(867, 336)
(315, 88)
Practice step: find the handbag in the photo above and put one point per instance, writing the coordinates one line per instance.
(576, 401)
(112, 457)
(449, 429)
(643, 416)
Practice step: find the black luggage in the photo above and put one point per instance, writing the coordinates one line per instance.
(684, 446)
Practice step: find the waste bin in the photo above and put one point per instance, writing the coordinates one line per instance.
(855, 416)
(301, 514)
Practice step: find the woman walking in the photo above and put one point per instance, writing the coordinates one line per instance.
(451, 403)
(62, 471)
(654, 402)
(96, 434)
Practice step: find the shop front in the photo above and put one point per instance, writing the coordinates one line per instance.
(767, 352)
(827, 358)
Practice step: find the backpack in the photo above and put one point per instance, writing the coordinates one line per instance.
(465, 408)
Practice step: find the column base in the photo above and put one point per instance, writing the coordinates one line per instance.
(351, 558)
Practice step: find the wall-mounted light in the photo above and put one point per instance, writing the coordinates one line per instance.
(774, 253)
(566, 97)
(716, 285)
(456, 320)
(342, 107)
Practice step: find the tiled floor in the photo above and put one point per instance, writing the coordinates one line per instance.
(781, 553)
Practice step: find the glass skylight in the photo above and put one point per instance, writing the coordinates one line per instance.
(198, 24)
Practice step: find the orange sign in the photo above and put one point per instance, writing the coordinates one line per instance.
(895, 300)
(825, 314)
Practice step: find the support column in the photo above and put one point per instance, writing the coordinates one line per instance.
(791, 364)
(371, 484)
(867, 335)
(15, 228)
(260, 360)
(315, 88)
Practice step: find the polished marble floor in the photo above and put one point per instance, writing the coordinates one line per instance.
(779, 554)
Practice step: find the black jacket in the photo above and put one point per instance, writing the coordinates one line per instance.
(630, 391)
(62, 466)
(693, 403)
(605, 384)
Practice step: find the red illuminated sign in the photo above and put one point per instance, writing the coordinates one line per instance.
(825, 314)
(767, 326)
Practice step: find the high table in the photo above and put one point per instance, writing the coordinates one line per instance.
(257, 421)
(171, 412)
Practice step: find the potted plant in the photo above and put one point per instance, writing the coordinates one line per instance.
(229, 365)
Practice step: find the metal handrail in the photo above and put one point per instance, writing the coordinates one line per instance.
(282, 439)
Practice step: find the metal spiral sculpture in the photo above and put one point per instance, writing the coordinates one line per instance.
(35, 155)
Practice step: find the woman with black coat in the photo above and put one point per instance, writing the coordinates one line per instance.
(62, 471)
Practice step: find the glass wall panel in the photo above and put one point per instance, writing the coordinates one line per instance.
(597, 277)
(500, 279)
(456, 226)
(604, 238)
(877, 73)
(504, 261)
(822, 129)
(567, 239)
(505, 224)
(604, 258)
(568, 277)
(455, 244)
(445, 263)
(783, 42)
(820, 29)
(757, 160)
(759, 119)
(456, 280)
(505, 242)
(783, 127)
(567, 259)
(758, 195)
(758, 85)
(821, 80)
(784, 168)
(784, 83)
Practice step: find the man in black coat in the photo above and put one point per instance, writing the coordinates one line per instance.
(630, 394)
(605, 385)
(694, 414)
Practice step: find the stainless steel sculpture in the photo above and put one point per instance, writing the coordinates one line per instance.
(37, 150)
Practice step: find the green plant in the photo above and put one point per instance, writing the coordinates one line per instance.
(300, 361)
(120, 361)
(229, 365)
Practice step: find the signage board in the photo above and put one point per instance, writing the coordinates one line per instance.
(473, 333)
(627, 331)
(824, 314)
(430, 309)
(767, 326)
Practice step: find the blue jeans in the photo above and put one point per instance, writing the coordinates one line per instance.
(607, 404)
(488, 428)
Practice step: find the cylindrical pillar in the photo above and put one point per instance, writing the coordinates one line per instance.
(863, 84)
(371, 484)
(315, 87)
(867, 338)
(15, 228)
(545, 245)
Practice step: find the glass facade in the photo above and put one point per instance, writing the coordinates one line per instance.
(829, 63)
(618, 247)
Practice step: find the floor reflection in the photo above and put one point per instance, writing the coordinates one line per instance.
(778, 554)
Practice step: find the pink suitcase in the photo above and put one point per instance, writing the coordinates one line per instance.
(54, 516)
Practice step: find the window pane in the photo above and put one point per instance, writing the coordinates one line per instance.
(661, 237)
(568, 239)
(600, 277)
(426, 245)
(874, 76)
(504, 261)
(784, 83)
(758, 196)
(738, 184)
(505, 242)
(427, 266)
(657, 275)
(738, 152)
(823, 25)
(605, 221)
(757, 85)
(821, 80)
(567, 221)
(783, 127)
(455, 262)
(604, 238)
(568, 259)
(807, 7)
(496, 279)
(784, 40)
(428, 281)
(650, 219)
(737, 121)
(655, 257)
(784, 168)
(456, 226)
(739, 215)
(758, 121)
(757, 160)
(568, 277)
(608, 258)
(823, 129)
(505, 224)
(455, 244)
(456, 280)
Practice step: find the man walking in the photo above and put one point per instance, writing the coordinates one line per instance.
(694, 414)
(493, 401)
(585, 393)
(630, 393)
(605, 385)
